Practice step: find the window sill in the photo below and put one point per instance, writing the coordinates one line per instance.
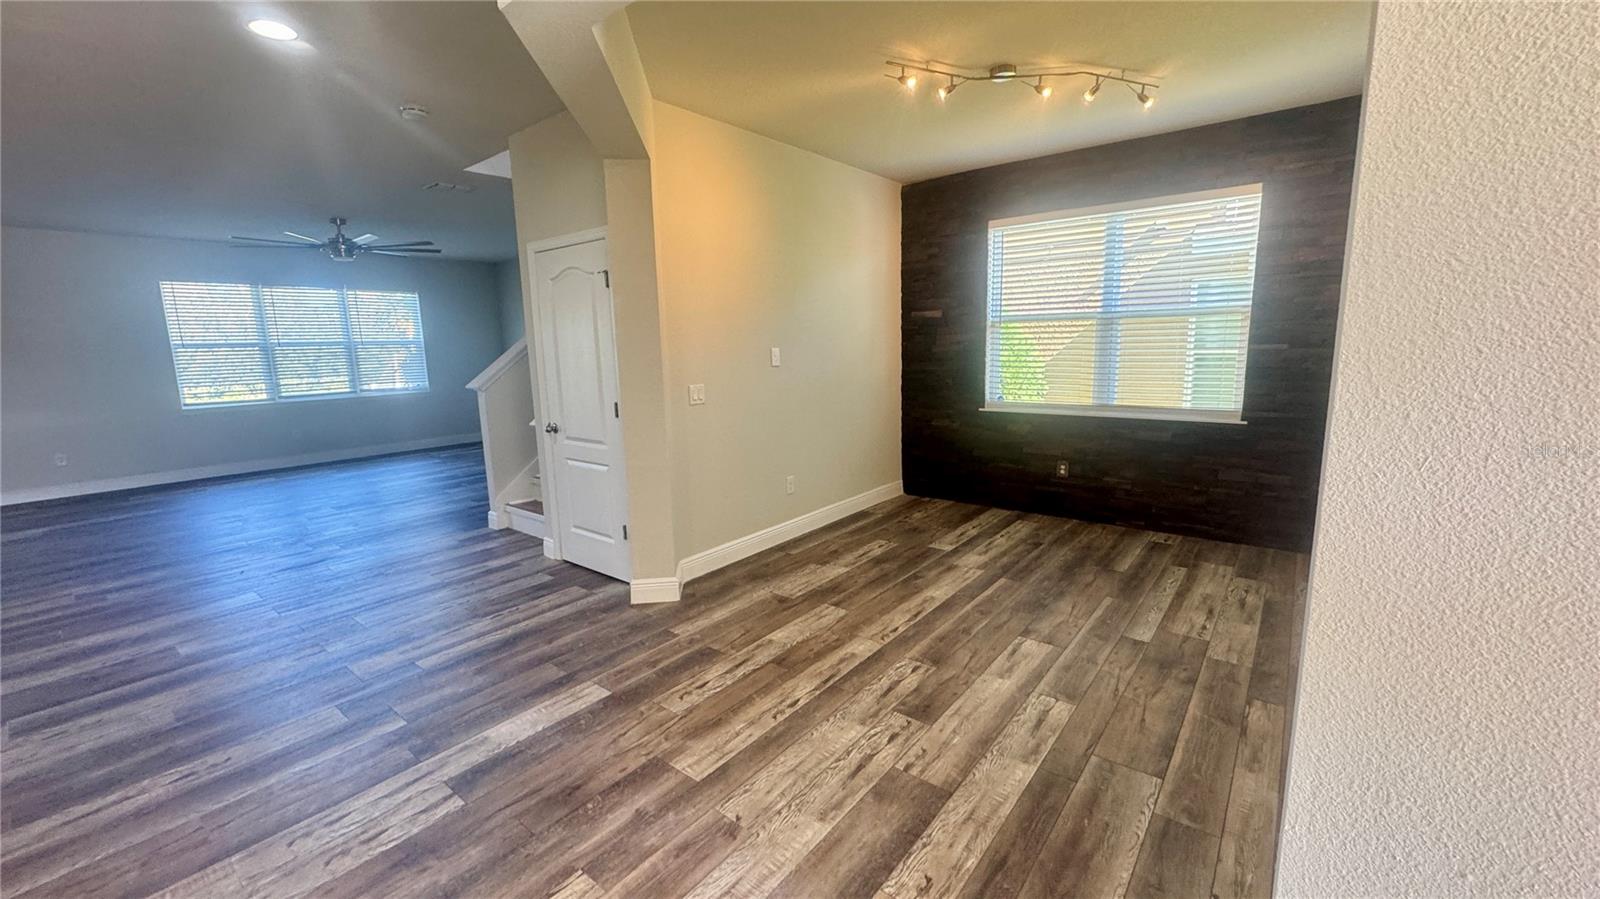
(297, 400)
(1212, 418)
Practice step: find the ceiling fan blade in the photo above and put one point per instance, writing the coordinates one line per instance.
(400, 246)
(304, 238)
(401, 252)
(271, 242)
(366, 239)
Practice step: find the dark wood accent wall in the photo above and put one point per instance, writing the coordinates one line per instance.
(1254, 483)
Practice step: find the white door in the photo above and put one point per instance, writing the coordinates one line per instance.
(582, 428)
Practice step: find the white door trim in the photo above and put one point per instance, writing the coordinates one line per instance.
(539, 319)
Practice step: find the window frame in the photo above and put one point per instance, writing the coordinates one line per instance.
(1151, 413)
(264, 345)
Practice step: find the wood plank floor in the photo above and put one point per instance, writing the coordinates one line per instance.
(337, 682)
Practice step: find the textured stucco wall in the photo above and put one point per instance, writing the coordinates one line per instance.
(1446, 740)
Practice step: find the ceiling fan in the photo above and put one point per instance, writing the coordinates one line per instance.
(339, 247)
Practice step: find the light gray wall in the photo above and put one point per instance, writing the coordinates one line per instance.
(508, 293)
(86, 370)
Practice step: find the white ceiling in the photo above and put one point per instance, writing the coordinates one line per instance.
(811, 74)
(171, 120)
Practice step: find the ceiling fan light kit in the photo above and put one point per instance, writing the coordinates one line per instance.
(906, 74)
(339, 247)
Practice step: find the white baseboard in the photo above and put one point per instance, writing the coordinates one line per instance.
(645, 591)
(498, 521)
(750, 544)
(177, 476)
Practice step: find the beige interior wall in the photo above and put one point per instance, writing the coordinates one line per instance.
(631, 248)
(760, 245)
(557, 181)
(723, 245)
(1447, 741)
(561, 186)
(576, 51)
(614, 34)
(557, 187)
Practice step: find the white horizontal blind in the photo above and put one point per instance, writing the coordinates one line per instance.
(310, 344)
(219, 347)
(1133, 309)
(239, 343)
(387, 328)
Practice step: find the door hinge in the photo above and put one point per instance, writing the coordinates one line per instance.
(616, 410)
(624, 532)
(607, 273)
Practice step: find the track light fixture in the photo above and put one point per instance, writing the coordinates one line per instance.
(1001, 73)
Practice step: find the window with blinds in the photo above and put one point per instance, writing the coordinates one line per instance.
(242, 343)
(1137, 310)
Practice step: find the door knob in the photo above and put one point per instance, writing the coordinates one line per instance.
(552, 428)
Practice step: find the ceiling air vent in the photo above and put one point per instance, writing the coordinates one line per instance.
(448, 187)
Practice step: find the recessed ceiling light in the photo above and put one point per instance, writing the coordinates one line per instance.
(272, 31)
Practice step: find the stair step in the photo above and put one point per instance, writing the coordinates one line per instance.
(527, 516)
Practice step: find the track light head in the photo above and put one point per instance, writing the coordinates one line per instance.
(1091, 93)
(1145, 99)
(907, 80)
(1042, 89)
(948, 89)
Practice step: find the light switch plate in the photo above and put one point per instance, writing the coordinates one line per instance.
(697, 394)
(777, 358)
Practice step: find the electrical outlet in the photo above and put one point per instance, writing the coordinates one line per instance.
(777, 358)
(1061, 469)
(788, 484)
(60, 459)
(697, 394)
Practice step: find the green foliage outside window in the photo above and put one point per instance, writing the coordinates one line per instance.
(1021, 365)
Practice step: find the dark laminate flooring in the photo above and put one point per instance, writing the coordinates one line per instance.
(337, 682)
